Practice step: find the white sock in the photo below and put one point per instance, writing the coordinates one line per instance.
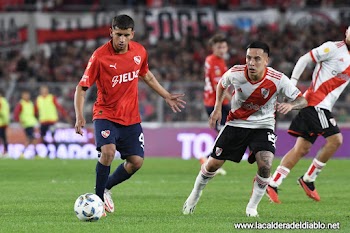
(279, 175)
(202, 179)
(313, 171)
(259, 188)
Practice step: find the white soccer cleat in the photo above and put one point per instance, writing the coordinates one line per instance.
(191, 202)
(250, 212)
(109, 204)
(221, 171)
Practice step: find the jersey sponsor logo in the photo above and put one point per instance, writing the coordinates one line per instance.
(137, 60)
(105, 133)
(256, 107)
(126, 77)
(326, 50)
(249, 106)
(113, 66)
(265, 92)
(218, 151)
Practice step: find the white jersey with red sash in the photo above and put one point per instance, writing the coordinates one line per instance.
(331, 74)
(253, 104)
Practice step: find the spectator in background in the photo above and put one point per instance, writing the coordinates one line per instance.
(47, 109)
(171, 60)
(24, 113)
(4, 121)
(215, 67)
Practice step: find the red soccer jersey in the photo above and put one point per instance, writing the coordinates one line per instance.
(215, 67)
(116, 77)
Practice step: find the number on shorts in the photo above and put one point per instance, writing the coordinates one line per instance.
(142, 140)
(272, 138)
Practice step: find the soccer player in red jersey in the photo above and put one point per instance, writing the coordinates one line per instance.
(116, 68)
(330, 77)
(215, 67)
(250, 123)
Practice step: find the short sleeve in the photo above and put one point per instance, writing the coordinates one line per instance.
(323, 52)
(288, 89)
(226, 79)
(91, 72)
(144, 66)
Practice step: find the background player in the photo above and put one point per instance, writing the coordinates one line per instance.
(330, 77)
(116, 67)
(250, 122)
(215, 67)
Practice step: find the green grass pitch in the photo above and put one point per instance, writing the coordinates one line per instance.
(38, 196)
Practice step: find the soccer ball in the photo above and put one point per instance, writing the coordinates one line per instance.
(89, 207)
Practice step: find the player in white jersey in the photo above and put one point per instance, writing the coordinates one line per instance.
(250, 122)
(330, 77)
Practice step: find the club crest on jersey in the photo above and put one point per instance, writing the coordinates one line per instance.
(105, 133)
(333, 122)
(265, 92)
(137, 60)
(218, 151)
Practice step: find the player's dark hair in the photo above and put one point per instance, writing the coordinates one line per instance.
(123, 22)
(259, 45)
(217, 38)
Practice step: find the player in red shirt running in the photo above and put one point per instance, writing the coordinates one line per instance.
(116, 68)
(215, 67)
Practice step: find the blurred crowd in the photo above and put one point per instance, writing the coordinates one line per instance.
(176, 63)
(96, 5)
